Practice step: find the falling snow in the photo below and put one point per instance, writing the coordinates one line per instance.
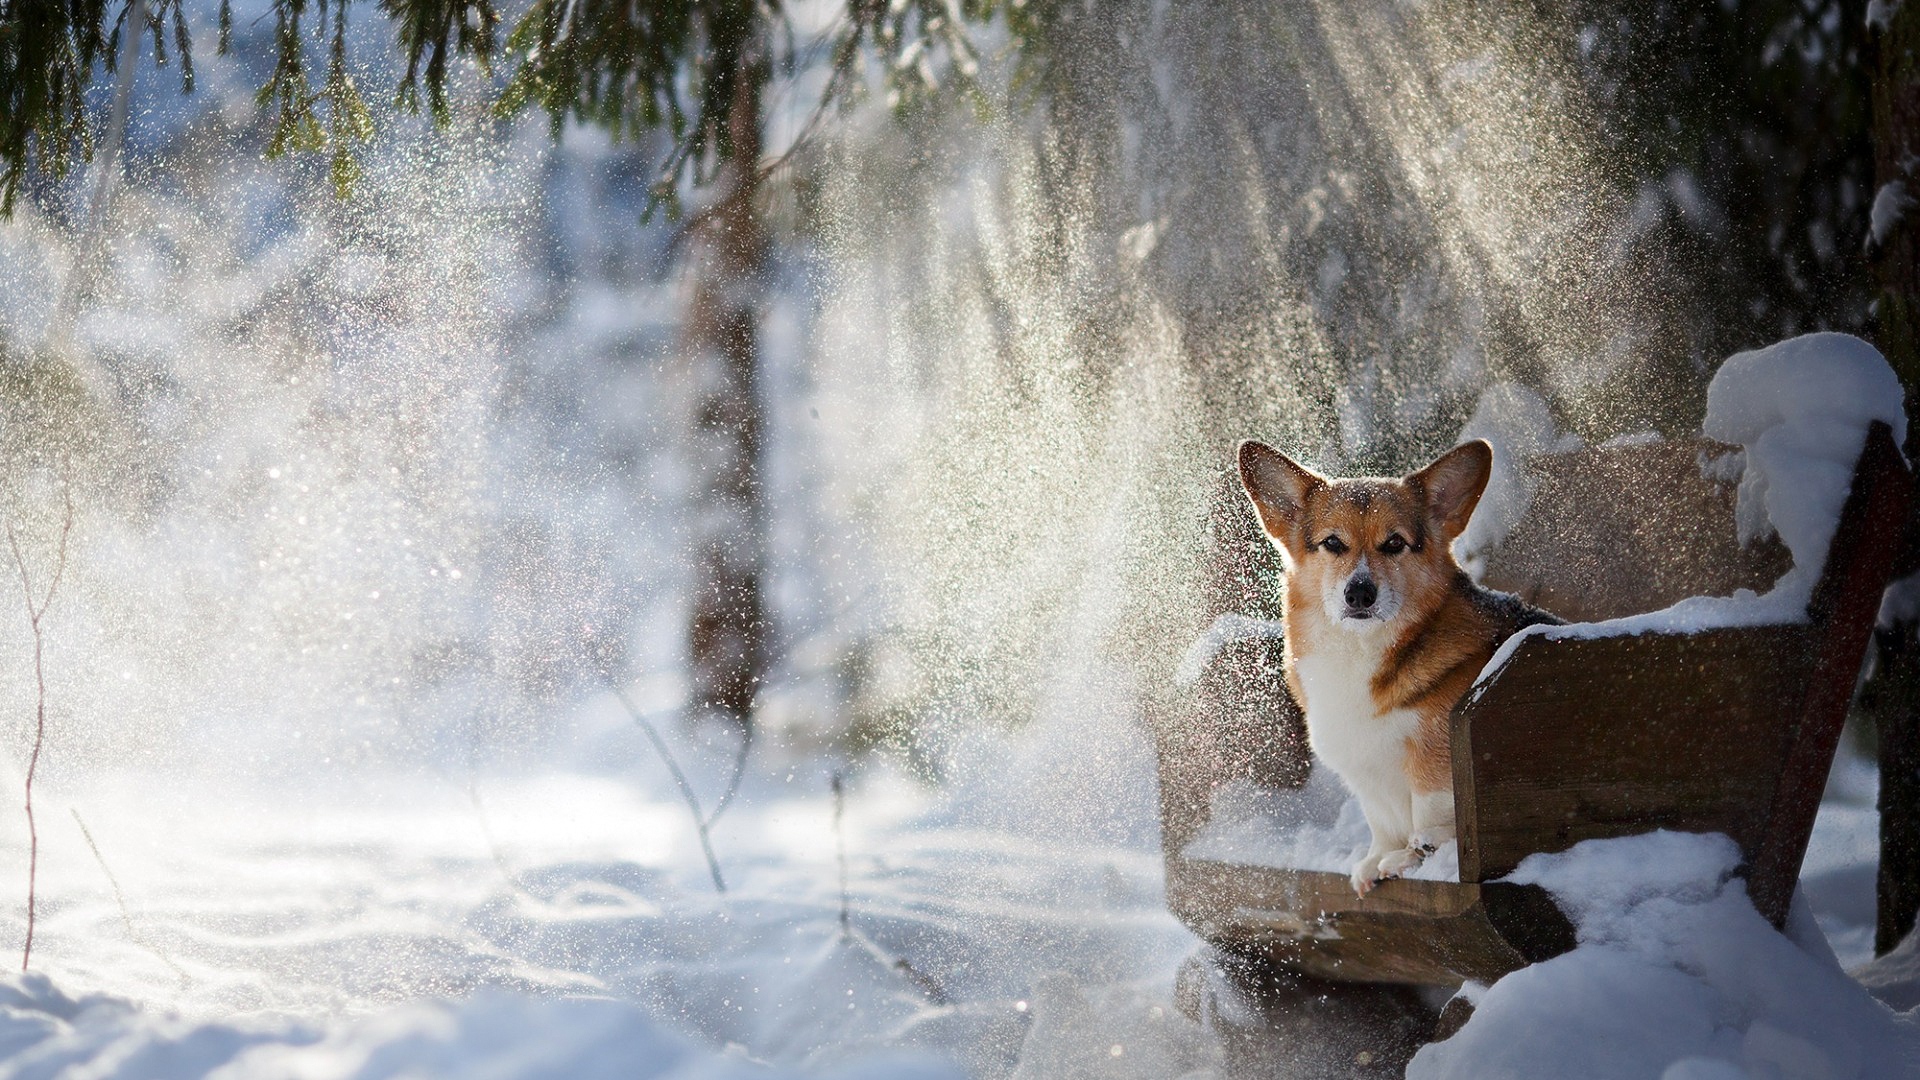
(382, 504)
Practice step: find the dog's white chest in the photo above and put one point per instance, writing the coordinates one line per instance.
(1343, 726)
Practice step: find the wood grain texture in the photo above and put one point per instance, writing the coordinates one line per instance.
(1582, 739)
(1422, 932)
(1866, 544)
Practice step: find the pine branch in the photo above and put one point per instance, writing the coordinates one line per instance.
(106, 183)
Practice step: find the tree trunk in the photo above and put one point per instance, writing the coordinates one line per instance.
(728, 634)
(1896, 146)
(1892, 699)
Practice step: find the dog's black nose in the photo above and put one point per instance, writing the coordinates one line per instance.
(1361, 593)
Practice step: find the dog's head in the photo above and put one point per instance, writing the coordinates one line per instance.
(1367, 547)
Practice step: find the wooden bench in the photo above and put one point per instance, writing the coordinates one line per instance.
(1727, 730)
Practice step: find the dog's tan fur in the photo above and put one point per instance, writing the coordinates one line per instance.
(1416, 652)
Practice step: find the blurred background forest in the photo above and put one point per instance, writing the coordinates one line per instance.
(856, 373)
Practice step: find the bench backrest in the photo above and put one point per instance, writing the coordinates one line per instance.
(1618, 530)
(1729, 730)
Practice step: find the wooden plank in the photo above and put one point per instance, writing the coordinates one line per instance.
(1578, 739)
(1420, 932)
(1866, 544)
(1212, 891)
(1729, 731)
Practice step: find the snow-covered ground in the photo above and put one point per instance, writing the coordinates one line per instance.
(555, 924)
(420, 923)
(1676, 976)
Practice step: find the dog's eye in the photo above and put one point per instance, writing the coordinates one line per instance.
(1333, 545)
(1393, 545)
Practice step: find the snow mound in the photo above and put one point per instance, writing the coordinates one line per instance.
(1800, 409)
(497, 1035)
(1600, 884)
(1895, 977)
(1676, 976)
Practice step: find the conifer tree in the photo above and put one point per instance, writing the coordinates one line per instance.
(690, 74)
(699, 72)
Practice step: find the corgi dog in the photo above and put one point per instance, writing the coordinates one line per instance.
(1383, 632)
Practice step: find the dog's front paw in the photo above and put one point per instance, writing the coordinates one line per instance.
(1366, 874)
(1395, 863)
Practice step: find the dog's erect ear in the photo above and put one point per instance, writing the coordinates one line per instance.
(1453, 485)
(1277, 485)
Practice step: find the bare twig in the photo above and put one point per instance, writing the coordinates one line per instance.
(739, 771)
(486, 833)
(700, 821)
(35, 612)
(480, 815)
(926, 984)
(700, 219)
(126, 916)
(840, 848)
